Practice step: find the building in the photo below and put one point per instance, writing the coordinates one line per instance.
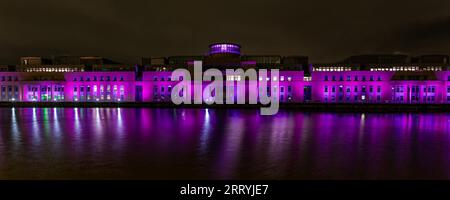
(357, 79)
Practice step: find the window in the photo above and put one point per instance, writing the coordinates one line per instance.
(363, 78)
(356, 78)
(379, 89)
(326, 78)
(333, 89)
(371, 89)
(334, 78)
(325, 89)
(155, 78)
(101, 78)
(289, 88)
(121, 78)
(115, 78)
(371, 78)
(431, 89)
(356, 88)
(75, 89)
(379, 78)
(348, 78)
(341, 78)
(95, 78)
(281, 89)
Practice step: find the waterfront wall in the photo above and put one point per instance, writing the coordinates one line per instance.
(321, 87)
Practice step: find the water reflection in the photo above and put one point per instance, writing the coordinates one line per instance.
(71, 143)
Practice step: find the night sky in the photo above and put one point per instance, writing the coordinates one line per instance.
(326, 31)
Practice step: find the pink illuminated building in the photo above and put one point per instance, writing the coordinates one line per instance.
(358, 79)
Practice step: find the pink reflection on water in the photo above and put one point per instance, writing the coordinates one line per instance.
(221, 144)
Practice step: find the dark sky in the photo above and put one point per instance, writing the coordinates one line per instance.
(126, 30)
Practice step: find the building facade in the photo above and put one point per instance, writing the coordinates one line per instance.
(358, 79)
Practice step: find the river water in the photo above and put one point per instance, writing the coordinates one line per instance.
(149, 143)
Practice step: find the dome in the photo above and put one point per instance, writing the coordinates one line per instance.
(224, 48)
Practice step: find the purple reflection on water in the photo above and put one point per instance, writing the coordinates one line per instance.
(129, 143)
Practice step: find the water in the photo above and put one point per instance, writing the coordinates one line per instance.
(130, 143)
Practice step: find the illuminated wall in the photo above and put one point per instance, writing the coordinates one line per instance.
(352, 86)
(99, 86)
(157, 86)
(322, 87)
(10, 86)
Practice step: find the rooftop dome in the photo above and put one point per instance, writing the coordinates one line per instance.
(224, 48)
